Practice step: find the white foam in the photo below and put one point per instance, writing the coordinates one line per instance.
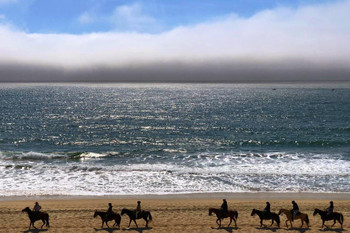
(182, 174)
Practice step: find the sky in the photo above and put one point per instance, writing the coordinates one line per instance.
(176, 41)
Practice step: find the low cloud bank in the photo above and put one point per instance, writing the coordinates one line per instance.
(309, 43)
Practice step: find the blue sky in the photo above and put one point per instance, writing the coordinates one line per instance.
(154, 16)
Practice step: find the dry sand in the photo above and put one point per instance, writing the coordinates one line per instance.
(170, 213)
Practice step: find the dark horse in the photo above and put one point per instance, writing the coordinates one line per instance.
(35, 216)
(115, 216)
(334, 216)
(232, 214)
(262, 215)
(132, 216)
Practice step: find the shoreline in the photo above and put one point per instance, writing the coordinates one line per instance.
(184, 196)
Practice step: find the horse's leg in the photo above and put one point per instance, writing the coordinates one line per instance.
(261, 222)
(107, 223)
(220, 222)
(235, 222)
(334, 222)
(322, 223)
(43, 224)
(145, 218)
(230, 222)
(302, 222)
(217, 222)
(30, 223)
(129, 222)
(136, 223)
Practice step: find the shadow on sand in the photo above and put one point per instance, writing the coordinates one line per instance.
(109, 230)
(273, 229)
(34, 230)
(332, 229)
(228, 229)
(140, 229)
(298, 229)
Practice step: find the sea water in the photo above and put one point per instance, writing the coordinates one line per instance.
(114, 139)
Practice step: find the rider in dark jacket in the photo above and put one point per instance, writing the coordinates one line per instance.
(267, 208)
(224, 207)
(330, 208)
(110, 210)
(295, 210)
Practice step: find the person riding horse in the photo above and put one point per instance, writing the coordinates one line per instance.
(295, 210)
(267, 209)
(109, 211)
(138, 209)
(224, 207)
(330, 208)
(36, 207)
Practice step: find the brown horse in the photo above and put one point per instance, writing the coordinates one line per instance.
(232, 214)
(262, 215)
(115, 216)
(289, 215)
(334, 216)
(132, 216)
(35, 216)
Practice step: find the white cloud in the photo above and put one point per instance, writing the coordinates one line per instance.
(317, 34)
(5, 2)
(131, 17)
(86, 18)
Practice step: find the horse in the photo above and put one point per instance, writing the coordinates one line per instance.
(334, 216)
(289, 215)
(114, 216)
(232, 214)
(132, 216)
(263, 215)
(35, 216)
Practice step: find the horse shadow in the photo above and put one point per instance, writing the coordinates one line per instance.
(140, 229)
(34, 230)
(332, 229)
(273, 229)
(298, 229)
(228, 229)
(109, 230)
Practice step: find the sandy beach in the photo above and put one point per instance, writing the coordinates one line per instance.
(171, 213)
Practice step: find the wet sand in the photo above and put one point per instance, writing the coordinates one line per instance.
(171, 213)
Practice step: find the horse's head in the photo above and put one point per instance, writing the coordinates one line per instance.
(210, 211)
(253, 212)
(123, 211)
(315, 212)
(95, 215)
(280, 212)
(26, 210)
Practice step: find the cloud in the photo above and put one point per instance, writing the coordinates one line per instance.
(131, 17)
(308, 43)
(86, 18)
(6, 2)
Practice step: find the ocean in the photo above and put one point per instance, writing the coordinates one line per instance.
(121, 139)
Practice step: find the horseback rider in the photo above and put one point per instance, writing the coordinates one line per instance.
(36, 207)
(295, 210)
(109, 211)
(267, 208)
(330, 208)
(138, 209)
(224, 207)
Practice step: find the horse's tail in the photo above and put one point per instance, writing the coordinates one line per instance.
(341, 218)
(47, 221)
(236, 214)
(119, 219)
(150, 216)
(278, 220)
(307, 220)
